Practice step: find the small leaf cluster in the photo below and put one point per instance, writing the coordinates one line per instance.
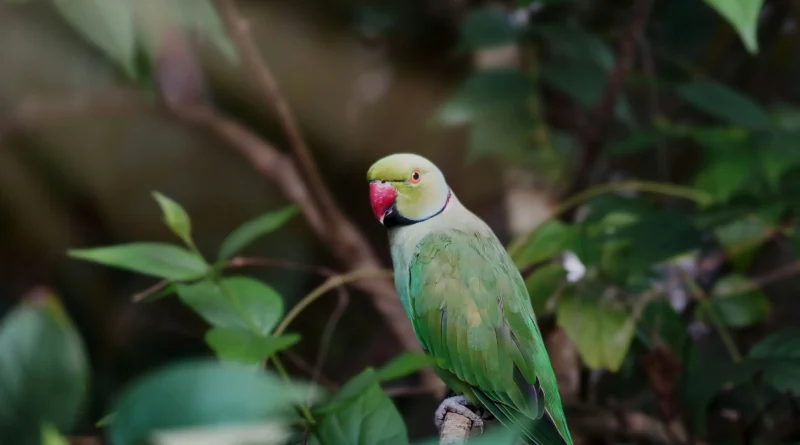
(234, 399)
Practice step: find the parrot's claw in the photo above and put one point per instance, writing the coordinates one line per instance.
(456, 405)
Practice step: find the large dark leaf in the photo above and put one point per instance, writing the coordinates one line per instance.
(778, 355)
(707, 375)
(547, 240)
(656, 237)
(486, 26)
(200, 393)
(369, 419)
(44, 373)
(724, 103)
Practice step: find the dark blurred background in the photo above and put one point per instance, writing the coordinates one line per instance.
(687, 103)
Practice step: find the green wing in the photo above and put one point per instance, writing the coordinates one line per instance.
(471, 310)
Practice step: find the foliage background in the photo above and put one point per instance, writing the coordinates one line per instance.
(655, 141)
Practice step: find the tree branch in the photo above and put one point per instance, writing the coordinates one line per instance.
(588, 421)
(455, 429)
(595, 137)
(343, 238)
(267, 86)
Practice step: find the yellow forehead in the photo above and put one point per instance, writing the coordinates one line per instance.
(398, 167)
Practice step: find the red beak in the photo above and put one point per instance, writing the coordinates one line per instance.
(381, 197)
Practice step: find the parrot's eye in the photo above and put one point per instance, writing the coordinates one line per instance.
(414, 177)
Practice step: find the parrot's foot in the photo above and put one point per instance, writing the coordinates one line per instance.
(456, 405)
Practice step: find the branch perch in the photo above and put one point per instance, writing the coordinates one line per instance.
(584, 420)
(455, 429)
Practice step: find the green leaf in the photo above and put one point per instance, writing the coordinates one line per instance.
(354, 388)
(723, 179)
(484, 93)
(400, 366)
(242, 346)
(743, 16)
(403, 365)
(549, 239)
(369, 419)
(543, 283)
(175, 218)
(495, 101)
(724, 103)
(654, 238)
(51, 436)
(44, 370)
(706, 376)
(253, 229)
(736, 308)
(485, 27)
(201, 393)
(577, 44)
(601, 331)
(778, 355)
(156, 259)
(235, 302)
(107, 24)
(777, 161)
(637, 142)
(728, 162)
(741, 239)
(105, 421)
(663, 325)
(584, 82)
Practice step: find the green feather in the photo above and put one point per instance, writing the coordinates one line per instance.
(470, 309)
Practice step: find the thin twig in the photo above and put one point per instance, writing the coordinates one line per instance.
(239, 30)
(762, 281)
(301, 364)
(331, 283)
(327, 332)
(139, 296)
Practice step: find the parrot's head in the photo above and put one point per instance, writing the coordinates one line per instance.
(405, 189)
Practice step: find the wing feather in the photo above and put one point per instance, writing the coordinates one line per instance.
(470, 305)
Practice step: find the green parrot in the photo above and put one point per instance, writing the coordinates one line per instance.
(467, 302)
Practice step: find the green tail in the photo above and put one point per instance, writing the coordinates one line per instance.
(540, 431)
